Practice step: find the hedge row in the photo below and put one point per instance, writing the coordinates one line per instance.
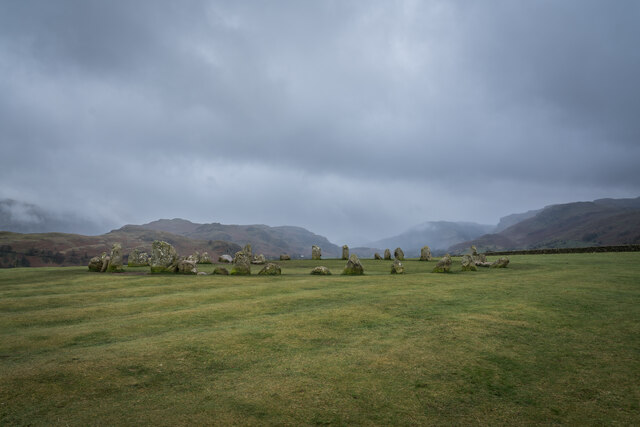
(589, 249)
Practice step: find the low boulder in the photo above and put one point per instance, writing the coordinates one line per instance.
(270, 269)
(353, 267)
(115, 262)
(501, 262)
(443, 265)
(321, 271)
(225, 259)
(187, 266)
(285, 257)
(164, 258)
(316, 252)
(241, 264)
(397, 267)
(398, 254)
(258, 259)
(220, 270)
(387, 254)
(377, 256)
(477, 258)
(345, 252)
(95, 264)
(468, 264)
(425, 253)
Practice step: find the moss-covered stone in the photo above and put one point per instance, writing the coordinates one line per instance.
(258, 259)
(270, 269)
(241, 264)
(397, 267)
(95, 264)
(187, 266)
(468, 264)
(501, 262)
(204, 258)
(353, 267)
(398, 254)
(164, 258)
(316, 252)
(221, 270)
(443, 265)
(115, 261)
(377, 256)
(387, 254)
(345, 252)
(285, 257)
(138, 258)
(425, 253)
(321, 271)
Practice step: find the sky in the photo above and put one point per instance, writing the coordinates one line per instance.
(354, 119)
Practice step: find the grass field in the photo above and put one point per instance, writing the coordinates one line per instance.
(553, 339)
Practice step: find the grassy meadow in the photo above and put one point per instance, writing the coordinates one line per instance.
(553, 339)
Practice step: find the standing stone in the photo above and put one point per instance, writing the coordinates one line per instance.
(353, 267)
(502, 262)
(105, 262)
(284, 257)
(377, 256)
(478, 259)
(397, 267)
(258, 259)
(115, 263)
(270, 269)
(345, 252)
(468, 264)
(316, 252)
(241, 264)
(138, 259)
(187, 266)
(387, 254)
(398, 254)
(205, 258)
(425, 253)
(164, 258)
(95, 264)
(247, 250)
(195, 257)
(321, 271)
(225, 258)
(444, 265)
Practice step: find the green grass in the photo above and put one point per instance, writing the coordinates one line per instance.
(553, 339)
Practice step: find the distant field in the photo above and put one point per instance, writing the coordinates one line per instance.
(553, 339)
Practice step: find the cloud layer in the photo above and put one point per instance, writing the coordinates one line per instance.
(354, 119)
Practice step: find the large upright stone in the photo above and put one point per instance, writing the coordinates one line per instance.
(397, 267)
(502, 262)
(478, 259)
(387, 254)
(247, 250)
(377, 256)
(270, 269)
(195, 257)
(425, 253)
(468, 264)
(138, 259)
(353, 267)
(105, 262)
(241, 264)
(115, 262)
(316, 252)
(345, 252)
(398, 254)
(164, 258)
(444, 265)
(205, 258)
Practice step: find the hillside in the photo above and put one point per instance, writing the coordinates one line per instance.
(439, 235)
(42, 249)
(270, 241)
(598, 223)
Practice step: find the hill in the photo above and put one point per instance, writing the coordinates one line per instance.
(270, 241)
(42, 249)
(439, 235)
(598, 223)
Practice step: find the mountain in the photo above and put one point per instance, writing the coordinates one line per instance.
(438, 235)
(23, 217)
(599, 223)
(509, 220)
(41, 249)
(270, 241)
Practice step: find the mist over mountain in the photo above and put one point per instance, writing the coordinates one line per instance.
(21, 217)
(438, 235)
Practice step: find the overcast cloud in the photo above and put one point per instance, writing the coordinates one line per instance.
(354, 119)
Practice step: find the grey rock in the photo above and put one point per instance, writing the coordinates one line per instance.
(285, 257)
(164, 258)
(241, 264)
(377, 256)
(425, 253)
(353, 267)
(468, 264)
(397, 267)
(443, 265)
(138, 259)
(502, 262)
(258, 259)
(220, 270)
(316, 252)
(270, 269)
(115, 261)
(398, 254)
(205, 258)
(321, 271)
(387, 254)
(187, 266)
(225, 258)
(345, 252)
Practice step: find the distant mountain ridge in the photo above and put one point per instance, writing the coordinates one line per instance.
(438, 235)
(270, 241)
(579, 224)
